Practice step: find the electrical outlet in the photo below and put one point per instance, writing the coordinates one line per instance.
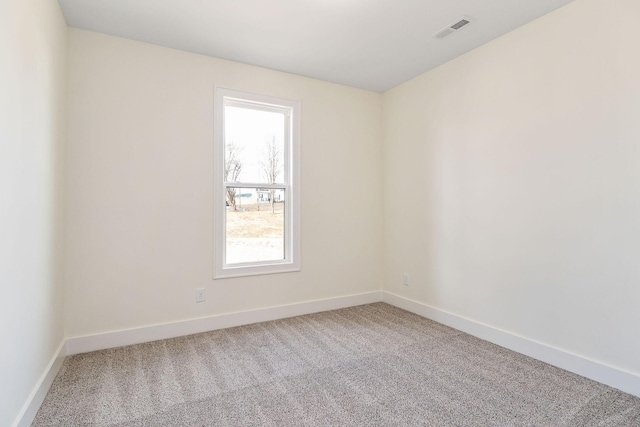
(405, 279)
(200, 296)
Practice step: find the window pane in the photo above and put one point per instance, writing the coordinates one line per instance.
(254, 145)
(254, 225)
(256, 148)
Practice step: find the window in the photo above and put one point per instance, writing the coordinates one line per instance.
(256, 184)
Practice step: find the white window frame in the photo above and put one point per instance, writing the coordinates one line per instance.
(291, 185)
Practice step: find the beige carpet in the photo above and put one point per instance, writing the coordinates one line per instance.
(372, 365)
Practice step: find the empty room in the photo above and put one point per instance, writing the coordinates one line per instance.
(319, 213)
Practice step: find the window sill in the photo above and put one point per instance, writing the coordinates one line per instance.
(258, 270)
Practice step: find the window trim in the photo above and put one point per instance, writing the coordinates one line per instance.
(291, 181)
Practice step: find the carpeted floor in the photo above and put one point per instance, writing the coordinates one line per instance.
(372, 365)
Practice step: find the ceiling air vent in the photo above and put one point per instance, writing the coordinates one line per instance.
(452, 28)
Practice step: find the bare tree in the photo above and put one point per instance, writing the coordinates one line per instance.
(271, 166)
(232, 169)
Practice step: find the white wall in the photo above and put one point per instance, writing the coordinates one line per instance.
(140, 204)
(512, 183)
(32, 126)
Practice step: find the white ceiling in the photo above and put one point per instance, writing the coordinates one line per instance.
(370, 44)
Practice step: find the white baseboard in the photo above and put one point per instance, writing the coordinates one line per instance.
(35, 399)
(84, 344)
(614, 377)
